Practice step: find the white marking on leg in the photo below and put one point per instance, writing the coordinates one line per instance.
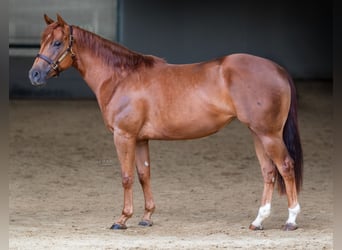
(293, 212)
(146, 164)
(264, 212)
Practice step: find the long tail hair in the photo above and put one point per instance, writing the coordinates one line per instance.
(292, 141)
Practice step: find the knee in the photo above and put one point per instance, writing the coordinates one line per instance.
(127, 181)
(143, 177)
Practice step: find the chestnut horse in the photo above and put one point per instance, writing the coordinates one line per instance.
(144, 98)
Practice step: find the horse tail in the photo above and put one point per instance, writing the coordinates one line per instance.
(292, 141)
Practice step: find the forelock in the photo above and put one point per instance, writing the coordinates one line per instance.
(47, 33)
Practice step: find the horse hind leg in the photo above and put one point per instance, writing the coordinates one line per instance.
(276, 150)
(269, 173)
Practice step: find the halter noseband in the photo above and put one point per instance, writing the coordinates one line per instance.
(54, 65)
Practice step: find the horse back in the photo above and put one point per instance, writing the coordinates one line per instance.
(194, 100)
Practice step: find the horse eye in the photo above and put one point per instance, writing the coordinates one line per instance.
(57, 44)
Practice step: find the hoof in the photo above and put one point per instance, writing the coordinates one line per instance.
(118, 226)
(290, 227)
(146, 223)
(255, 228)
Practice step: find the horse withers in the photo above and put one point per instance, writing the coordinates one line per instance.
(144, 98)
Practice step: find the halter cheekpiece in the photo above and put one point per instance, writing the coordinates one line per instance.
(54, 65)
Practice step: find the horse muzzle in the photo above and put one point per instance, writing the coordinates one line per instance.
(37, 77)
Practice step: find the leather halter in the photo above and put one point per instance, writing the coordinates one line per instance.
(54, 65)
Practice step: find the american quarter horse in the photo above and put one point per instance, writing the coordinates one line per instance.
(144, 98)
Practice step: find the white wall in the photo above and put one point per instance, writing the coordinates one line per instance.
(26, 17)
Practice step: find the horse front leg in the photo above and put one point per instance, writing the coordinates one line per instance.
(142, 158)
(125, 147)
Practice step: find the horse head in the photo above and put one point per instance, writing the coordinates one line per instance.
(55, 54)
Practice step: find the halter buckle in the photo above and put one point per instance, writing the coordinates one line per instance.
(54, 66)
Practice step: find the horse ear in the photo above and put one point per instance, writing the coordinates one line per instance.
(60, 20)
(48, 20)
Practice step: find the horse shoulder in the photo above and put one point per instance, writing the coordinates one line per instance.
(127, 106)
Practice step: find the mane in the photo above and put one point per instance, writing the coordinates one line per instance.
(113, 54)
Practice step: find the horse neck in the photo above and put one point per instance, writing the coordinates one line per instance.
(104, 64)
(96, 62)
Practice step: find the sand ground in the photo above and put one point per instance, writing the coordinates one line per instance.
(65, 183)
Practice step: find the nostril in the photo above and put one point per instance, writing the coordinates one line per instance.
(35, 74)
